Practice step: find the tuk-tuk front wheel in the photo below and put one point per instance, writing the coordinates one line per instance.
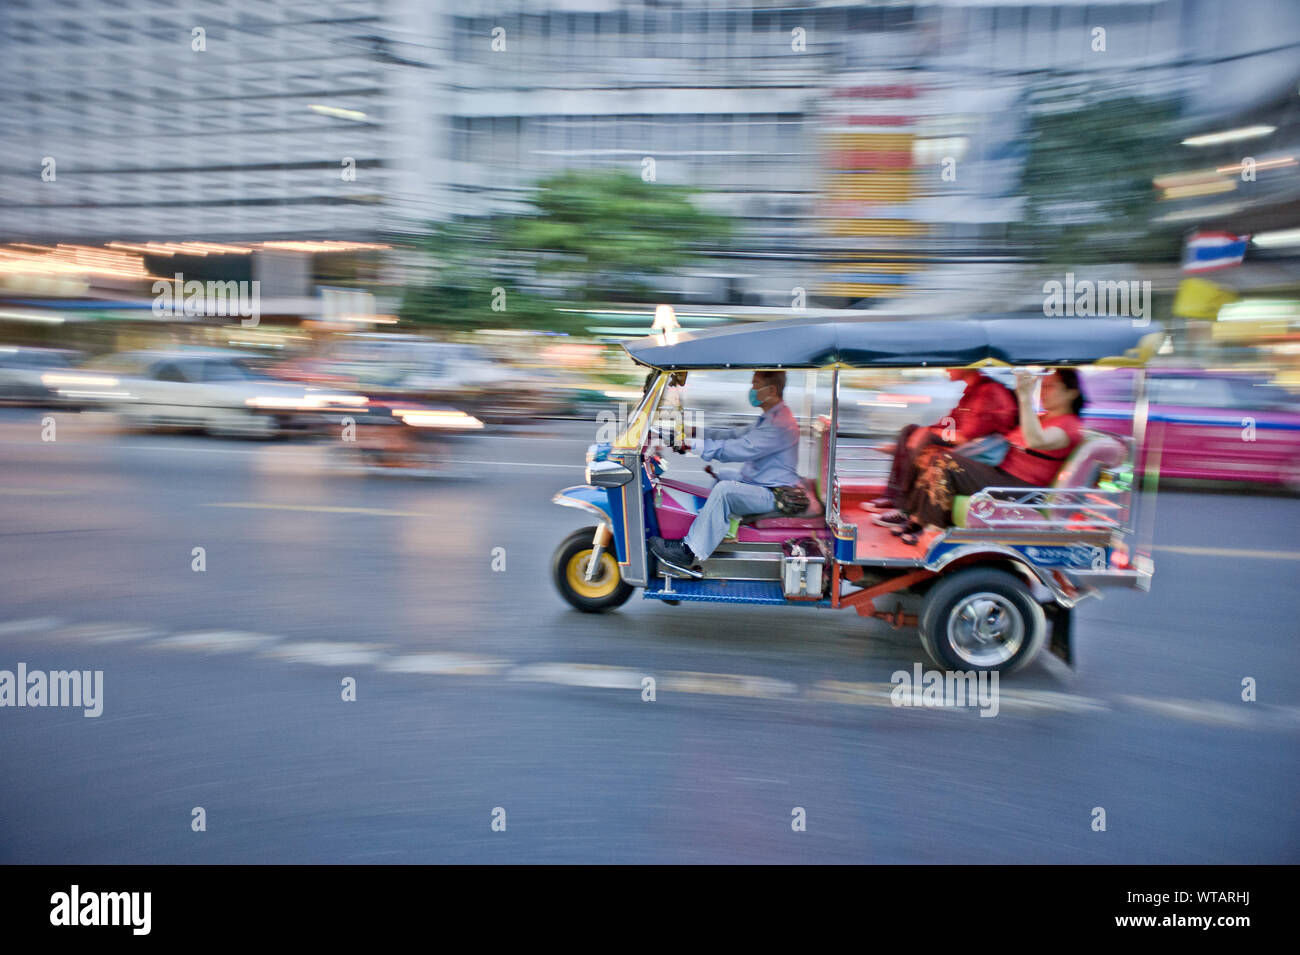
(605, 591)
(982, 618)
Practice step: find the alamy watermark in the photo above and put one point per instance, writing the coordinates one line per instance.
(84, 688)
(178, 297)
(1088, 299)
(673, 419)
(76, 907)
(954, 688)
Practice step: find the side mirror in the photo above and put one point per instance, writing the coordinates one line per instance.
(607, 474)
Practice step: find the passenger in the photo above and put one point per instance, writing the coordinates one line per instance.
(985, 407)
(770, 450)
(1038, 448)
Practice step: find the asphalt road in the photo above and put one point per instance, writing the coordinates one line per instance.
(478, 689)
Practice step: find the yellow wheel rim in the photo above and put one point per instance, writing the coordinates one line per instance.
(606, 575)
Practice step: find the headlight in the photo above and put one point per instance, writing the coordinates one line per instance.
(428, 418)
(324, 400)
(62, 379)
(279, 403)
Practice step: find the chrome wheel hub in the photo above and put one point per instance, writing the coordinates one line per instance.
(986, 629)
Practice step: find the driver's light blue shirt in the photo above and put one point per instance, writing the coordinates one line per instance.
(769, 447)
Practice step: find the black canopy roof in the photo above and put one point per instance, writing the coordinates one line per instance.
(861, 343)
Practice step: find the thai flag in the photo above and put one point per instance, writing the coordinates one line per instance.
(1207, 251)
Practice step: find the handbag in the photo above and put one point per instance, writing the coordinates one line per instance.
(990, 449)
(790, 501)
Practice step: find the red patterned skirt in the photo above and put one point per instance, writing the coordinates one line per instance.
(946, 475)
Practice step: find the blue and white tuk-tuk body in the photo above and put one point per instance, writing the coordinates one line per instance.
(982, 592)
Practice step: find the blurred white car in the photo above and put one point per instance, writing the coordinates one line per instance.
(212, 389)
(21, 371)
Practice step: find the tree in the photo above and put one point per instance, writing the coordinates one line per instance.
(594, 235)
(608, 229)
(1088, 176)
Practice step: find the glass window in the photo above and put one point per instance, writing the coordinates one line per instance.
(1247, 394)
(225, 371)
(169, 371)
(1190, 391)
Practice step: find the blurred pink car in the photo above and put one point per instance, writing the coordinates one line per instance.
(1211, 425)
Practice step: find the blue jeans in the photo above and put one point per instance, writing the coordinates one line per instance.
(727, 497)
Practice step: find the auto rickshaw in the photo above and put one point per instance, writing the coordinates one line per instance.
(989, 591)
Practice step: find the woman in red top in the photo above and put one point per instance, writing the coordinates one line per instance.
(1038, 447)
(985, 407)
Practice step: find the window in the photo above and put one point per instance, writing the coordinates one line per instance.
(1247, 394)
(1189, 391)
(225, 371)
(169, 371)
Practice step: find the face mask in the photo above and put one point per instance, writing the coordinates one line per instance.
(753, 398)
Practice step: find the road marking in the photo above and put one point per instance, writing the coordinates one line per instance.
(1218, 713)
(727, 684)
(1049, 700)
(319, 508)
(106, 633)
(854, 694)
(217, 641)
(1231, 552)
(30, 625)
(328, 654)
(579, 674)
(452, 664)
(881, 694)
(1252, 716)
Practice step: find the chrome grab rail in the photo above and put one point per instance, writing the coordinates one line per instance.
(1100, 509)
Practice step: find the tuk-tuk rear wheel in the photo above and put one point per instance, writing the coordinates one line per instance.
(569, 571)
(982, 618)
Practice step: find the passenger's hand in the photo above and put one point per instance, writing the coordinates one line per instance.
(708, 469)
(1026, 382)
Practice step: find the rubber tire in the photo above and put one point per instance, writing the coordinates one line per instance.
(944, 596)
(576, 542)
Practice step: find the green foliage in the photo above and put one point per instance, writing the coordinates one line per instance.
(1088, 177)
(611, 224)
(592, 234)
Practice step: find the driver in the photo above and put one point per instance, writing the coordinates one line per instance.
(770, 450)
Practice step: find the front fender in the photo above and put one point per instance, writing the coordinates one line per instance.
(595, 501)
(587, 498)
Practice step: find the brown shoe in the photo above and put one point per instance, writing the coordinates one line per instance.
(894, 518)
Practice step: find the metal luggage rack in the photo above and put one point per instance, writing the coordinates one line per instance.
(1057, 509)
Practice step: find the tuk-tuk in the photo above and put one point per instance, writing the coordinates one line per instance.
(984, 590)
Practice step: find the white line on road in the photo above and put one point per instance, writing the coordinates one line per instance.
(319, 508)
(451, 664)
(30, 625)
(1230, 552)
(1251, 716)
(218, 641)
(328, 654)
(579, 674)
